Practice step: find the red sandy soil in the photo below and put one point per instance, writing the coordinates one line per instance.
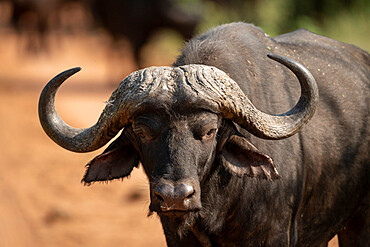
(42, 202)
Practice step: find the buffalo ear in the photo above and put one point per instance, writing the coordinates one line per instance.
(242, 158)
(117, 161)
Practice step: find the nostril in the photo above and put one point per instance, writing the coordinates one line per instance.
(160, 198)
(163, 192)
(185, 191)
(190, 195)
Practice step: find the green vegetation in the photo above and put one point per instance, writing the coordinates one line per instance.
(344, 20)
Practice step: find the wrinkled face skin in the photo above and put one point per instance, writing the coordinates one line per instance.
(176, 151)
(177, 144)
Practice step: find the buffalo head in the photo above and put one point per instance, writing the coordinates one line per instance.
(179, 122)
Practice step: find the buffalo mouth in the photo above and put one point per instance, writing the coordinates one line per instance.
(158, 208)
(176, 213)
(163, 209)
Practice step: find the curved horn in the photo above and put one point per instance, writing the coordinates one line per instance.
(114, 117)
(73, 139)
(278, 126)
(217, 87)
(211, 84)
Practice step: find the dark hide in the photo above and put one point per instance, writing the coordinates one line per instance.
(299, 191)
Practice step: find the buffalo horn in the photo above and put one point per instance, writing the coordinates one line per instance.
(116, 114)
(207, 83)
(236, 106)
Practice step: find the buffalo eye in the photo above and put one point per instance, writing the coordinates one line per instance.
(210, 134)
(141, 135)
(143, 132)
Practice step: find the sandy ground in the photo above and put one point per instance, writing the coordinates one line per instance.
(42, 199)
(42, 202)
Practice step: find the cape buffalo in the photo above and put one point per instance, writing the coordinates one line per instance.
(222, 170)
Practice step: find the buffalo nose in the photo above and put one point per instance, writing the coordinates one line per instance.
(174, 197)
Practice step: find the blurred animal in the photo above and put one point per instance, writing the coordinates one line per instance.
(138, 20)
(33, 19)
(221, 171)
